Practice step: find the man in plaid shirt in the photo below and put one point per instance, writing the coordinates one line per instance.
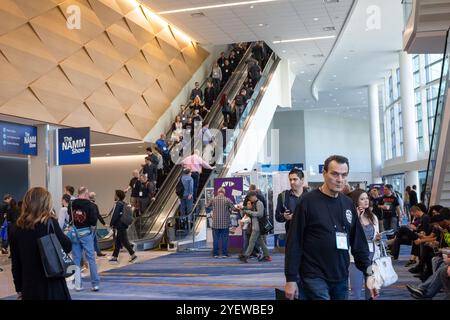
(222, 207)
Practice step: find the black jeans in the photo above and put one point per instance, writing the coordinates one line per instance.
(404, 236)
(122, 240)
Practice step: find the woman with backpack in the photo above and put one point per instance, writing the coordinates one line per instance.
(120, 225)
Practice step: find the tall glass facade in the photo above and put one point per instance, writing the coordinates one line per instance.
(426, 74)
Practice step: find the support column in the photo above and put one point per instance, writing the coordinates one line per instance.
(408, 117)
(43, 171)
(375, 140)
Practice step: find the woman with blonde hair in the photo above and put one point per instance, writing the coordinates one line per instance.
(27, 269)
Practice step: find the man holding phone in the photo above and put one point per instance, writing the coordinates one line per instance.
(288, 199)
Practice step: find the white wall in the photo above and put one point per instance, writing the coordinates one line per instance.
(103, 176)
(200, 75)
(327, 134)
(252, 149)
(290, 124)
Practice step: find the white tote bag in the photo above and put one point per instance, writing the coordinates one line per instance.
(383, 270)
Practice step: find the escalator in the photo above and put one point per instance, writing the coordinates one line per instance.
(197, 234)
(437, 182)
(148, 229)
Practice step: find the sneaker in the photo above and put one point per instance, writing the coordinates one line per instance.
(95, 288)
(414, 290)
(216, 257)
(78, 289)
(101, 254)
(243, 259)
(225, 256)
(113, 259)
(410, 263)
(133, 258)
(415, 269)
(267, 258)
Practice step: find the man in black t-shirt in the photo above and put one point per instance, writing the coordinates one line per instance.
(324, 227)
(390, 207)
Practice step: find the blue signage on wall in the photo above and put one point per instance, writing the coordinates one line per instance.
(321, 168)
(73, 146)
(18, 139)
(281, 167)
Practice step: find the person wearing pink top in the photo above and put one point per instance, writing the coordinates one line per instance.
(195, 163)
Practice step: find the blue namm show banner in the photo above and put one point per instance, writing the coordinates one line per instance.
(73, 146)
(18, 139)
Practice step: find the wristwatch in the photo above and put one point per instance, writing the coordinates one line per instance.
(369, 271)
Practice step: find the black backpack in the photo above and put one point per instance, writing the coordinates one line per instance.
(179, 189)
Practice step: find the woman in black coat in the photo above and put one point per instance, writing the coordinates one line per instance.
(28, 273)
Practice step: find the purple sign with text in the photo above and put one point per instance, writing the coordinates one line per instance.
(233, 188)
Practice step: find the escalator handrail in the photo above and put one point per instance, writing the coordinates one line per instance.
(238, 141)
(214, 110)
(436, 135)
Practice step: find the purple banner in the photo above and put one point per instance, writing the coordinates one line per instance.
(233, 188)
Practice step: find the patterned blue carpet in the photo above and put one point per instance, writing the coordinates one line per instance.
(196, 276)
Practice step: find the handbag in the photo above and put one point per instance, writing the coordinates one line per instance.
(383, 271)
(4, 231)
(56, 262)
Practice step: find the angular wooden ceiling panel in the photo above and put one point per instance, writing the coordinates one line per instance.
(90, 25)
(34, 8)
(123, 40)
(52, 89)
(124, 127)
(104, 55)
(117, 74)
(141, 71)
(156, 58)
(83, 74)
(57, 38)
(105, 13)
(82, 116)
(11, 85)
(141, 124)
(124, 88)
(26, 105)
(25, 51)
(11, 16)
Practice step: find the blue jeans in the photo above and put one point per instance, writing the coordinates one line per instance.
(357, 282)
(186, 206)
(96, 247)
(390, 223)
(222, 235)
(85, 244)
(320, 289)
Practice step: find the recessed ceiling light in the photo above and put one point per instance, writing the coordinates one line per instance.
(252, 6)
(334, 99)
(284, 51)
(303, 39)
(335, 88)
(345, 58)
(329, 28)
(334, 76)
(302, 72)
(108, 154)
(231, 4)
(309, 80)
(316, 19)
(262, 25)
(338, 104)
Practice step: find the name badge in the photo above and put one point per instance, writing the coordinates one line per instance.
(371, 246)
(140, 193)
(341, 241)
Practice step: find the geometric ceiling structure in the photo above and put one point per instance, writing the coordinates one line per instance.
(117, 73)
